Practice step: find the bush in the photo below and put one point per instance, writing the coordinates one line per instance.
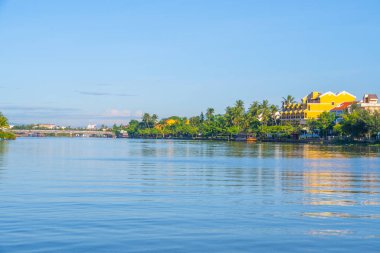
(7, 136)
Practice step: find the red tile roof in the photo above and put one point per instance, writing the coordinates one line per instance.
(342, 106)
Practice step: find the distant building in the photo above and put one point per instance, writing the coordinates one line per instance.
(340, 109)
(313, 105)
(123, 134)
(370, 103)
(170, 122)
(46, 126)
(91, 127)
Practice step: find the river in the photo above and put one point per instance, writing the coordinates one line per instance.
(123, 195)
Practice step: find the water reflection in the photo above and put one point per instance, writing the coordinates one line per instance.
(330, 232)
(3, 151)
(305, 151)
(341, 184)
(340, 215)
(181, 192)
(170, 149)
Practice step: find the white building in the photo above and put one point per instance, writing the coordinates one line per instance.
(370, 103)
(91, 127)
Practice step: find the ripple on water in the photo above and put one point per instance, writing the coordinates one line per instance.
(97, 195)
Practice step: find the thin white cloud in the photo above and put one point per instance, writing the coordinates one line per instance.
(118, 113)
(138, 114)
(96, 93)
(66, 116)
(38, 108)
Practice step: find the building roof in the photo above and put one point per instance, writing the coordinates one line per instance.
(342, 106)
(371, 96)
(328, 93)
(336, 94)
(345, 92)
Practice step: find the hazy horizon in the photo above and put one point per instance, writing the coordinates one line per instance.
(81, 62)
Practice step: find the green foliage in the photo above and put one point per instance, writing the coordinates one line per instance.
(7, 136)
(338, 130)
(234, 121)
(279, 131)
(287, 100)
(3, 121)
(260, 119)
(361, 123)
(312, 124)
(4, 125)
(132, 127)
(325, 123)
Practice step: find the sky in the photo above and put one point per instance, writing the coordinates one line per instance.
(73, 62)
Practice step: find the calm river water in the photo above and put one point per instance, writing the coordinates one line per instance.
(118, 195)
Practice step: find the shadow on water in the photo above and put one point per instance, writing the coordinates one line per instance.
(212, 149)
(3, 151)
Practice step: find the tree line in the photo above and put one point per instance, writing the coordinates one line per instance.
(260, 119)
(355, 123)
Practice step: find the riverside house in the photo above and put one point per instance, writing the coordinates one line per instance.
(370, 103)
(340, 110)
(313, 105)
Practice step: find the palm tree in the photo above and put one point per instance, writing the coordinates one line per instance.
(273, 111)
(254, 109)
(210, 114)
(238, 113)
(265, 112)
(252, 115)
(3, 121)
(287, 100)
(146, 119)
(154, 119)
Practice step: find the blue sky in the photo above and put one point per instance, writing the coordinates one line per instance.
(78, 62)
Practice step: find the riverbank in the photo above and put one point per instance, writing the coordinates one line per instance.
(315, 141)
(99, 134)
(7, 135)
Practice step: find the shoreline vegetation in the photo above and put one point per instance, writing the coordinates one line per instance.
(5, 134)
(259, 122)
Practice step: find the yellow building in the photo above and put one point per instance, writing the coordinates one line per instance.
(313, 105)
(170, 122)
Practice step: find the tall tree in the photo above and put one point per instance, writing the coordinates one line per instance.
(274, 114)
(153, 120)
(202, 117)
(265, 112)
(325, 122)
(210, 114)
(146, 119)
(289, 99)
(3, 121)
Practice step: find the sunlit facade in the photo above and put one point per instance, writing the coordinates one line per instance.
(370, 103)
(313, 105)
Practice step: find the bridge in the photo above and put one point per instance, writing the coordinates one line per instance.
(64, 133)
